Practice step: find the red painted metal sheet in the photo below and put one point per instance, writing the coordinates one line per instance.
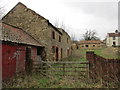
(13, 58)
(7, 61)
(21, 56)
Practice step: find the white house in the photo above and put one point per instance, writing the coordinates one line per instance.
(113, 39)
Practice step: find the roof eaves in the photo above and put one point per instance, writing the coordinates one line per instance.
(19, 3)
(65, 32)
(54, 27)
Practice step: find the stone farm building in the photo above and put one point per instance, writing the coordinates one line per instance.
(19, 50)
(113, 39)
(91, 44)
(56, 41)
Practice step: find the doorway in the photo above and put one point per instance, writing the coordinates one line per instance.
(114, 43)
(57, 55)
(28, 62)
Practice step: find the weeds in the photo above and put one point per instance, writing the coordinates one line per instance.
(36, 80)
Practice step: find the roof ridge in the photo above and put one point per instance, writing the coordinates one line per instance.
(19, 3)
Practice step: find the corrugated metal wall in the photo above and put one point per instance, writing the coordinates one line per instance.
(20, 58)
(13, 60)
(8, 63)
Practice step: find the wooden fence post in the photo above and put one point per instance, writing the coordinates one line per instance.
(90, 56)
(63, 69)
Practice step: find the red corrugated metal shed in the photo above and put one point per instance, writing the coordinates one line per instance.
(15, 41)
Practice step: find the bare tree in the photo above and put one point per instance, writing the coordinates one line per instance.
(63, 26)
(59, 24)
(56, 23)
(90, 35)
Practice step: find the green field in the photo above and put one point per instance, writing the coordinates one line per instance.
(108, 53)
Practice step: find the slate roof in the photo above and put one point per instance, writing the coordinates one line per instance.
(34, 14)
(90, 42)
(17, 35)
(21, 4)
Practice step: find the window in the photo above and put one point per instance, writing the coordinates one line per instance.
(113, 38)
(61, 52)
(53, 49)
(93, 45)
(59, 38)
(38, 51)
(53, 35)
(86, 45)
(53, 52)
(67, 52)
(67, 40)
(77, 47)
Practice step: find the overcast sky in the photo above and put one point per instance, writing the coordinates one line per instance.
(76, 15)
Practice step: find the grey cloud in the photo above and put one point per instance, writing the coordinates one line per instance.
(106, 10)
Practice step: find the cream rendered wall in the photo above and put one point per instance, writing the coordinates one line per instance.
(109, 41)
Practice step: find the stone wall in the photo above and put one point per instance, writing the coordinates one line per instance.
(40, 28)
(90, 46)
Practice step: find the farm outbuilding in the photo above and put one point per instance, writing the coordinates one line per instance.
(90, 44)
(57, 41)
(19, 51)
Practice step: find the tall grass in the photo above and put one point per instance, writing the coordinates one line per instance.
(37, 80)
